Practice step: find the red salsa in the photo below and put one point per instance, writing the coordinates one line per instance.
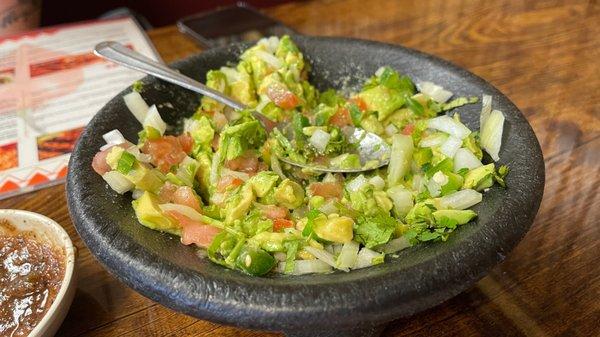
(31, 273)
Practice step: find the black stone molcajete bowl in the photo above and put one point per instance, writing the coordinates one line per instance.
(357, 303)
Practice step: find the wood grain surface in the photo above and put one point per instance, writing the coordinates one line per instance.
(544, 55)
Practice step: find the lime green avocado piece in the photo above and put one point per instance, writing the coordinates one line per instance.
(263, 182)
(337, 229)
(289, 194)
(383, 100)
(240, 204)
(479, 178)
(146, 179)
(460, 216)
(149, 214)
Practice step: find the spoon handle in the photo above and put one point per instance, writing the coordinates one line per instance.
(118, 53)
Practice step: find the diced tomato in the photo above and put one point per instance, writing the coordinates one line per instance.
(194, 232)
(280, 224)
(321, 160)
(282, 97)
(168, 151)
(341, 118)
(274, 212)
(359, 103)
(99, 163)
(326, 190)
(167, 191)
(408, 129)
(184, 195)
(227, 181)
(248, 162)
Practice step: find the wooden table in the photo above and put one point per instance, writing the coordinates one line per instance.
(545, 56)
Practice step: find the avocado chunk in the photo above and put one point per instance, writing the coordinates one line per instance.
(149, 214)
(479, 178)
(335, 229)
(239, 204)
(289, 194)
(460, 216)
(383, 100)
(263, 182)
(145, 178)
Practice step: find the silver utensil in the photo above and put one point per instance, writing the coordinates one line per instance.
(371, 148)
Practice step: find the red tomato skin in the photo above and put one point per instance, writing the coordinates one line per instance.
(275, 212)
(282, 97)
(341, 118)
(408, 129)
(227, 181)
(326, 190)
(194, 232)
(280, 224)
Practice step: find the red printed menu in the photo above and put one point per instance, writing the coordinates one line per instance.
(51, 85)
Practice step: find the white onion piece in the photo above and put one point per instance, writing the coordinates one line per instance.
(114, 137)
(462, 199)
(136, 104)
(186, 211)
(418, 183)
(450, 146)
(391, 130)
(436, 92)
(154, 120)
(324, 256)
(142, 157)
(270, 59)
(302, 267)
(137, 193)
(214, 168)
(491, 134)
(379, 71)
(240, 175)
(377, 182)
(395, 245)
(276, 167)
(435, 139)
(117, 181)
(465, 159)
(337, 249)
(356, 183)
(319, 140)
(329, 207)
(400, 158)
(365, 258)
(448, 125)
(401, 198)
(231, 74)
(486, 110)
(280, 256)
(348, 255)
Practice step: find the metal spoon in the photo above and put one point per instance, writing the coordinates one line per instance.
(371, 148)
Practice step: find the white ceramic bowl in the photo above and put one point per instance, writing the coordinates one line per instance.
(50, 231)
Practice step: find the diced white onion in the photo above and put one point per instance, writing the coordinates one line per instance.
(448, 125)
(379, 71)
(435, 139)
(436, 92)
(276, 167)
(401, 198)
(217, 198)
(302, 267)
(365, 258)
(154, 120)
(491, 134)
(142, 157)
(356, 183)
(377, 182)
(117, 181)
(231, 74)
(465, 159)
(400, 158)
(434, 188)
(395, 245)
(270, 43)
(136, 104)
(270, 59)
(324, 256)
(329, 207)
(186, 211)
(240, 175)
(450, 146)
(319, 140)
(440, 178)
(418, 183)
(391, 130)
(348, 255)
(114, 137)
(462, 199)
(137, 193)
(214, 168)
(337, 249)
(279, 256)
(486, 110)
